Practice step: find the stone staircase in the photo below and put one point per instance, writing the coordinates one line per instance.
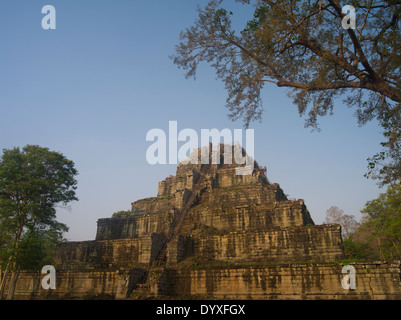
(177, 222)
(143, 288)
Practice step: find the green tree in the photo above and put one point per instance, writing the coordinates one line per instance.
(359, 250)
(37, 248)
(302, 45)
(33, 181)
(122, 213)
(382, 226)
(386, 165)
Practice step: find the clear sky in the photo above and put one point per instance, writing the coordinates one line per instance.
(93, 87)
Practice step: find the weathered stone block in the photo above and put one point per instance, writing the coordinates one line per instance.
(280, 245)
(284, 282)
(132, 226)
(109, 254)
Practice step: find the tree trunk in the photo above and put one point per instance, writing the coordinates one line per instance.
(11, 266)
(396, 249)
(13, 284)
(3, 283)
(4, 279)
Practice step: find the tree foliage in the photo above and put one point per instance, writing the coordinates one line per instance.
(122, 213)
(382, 226)
(33, 181)
(356, 249)
(37, 249)
(301, 45)
(348, 223)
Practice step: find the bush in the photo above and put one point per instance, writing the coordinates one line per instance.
(359, 250)
(121, 213)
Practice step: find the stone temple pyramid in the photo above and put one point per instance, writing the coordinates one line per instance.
(213, 233)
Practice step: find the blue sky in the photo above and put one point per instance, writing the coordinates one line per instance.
(96, 85)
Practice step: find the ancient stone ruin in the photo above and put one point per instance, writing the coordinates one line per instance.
(211, 233)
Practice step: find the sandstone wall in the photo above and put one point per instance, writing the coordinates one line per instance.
(169, 186)
(179, 248)
(376, 280)
(243, 195)
(132, 226)
(282, 245)
(248, 217)
(151, 205)
(108, 254)
(78, 284)
(229, 178)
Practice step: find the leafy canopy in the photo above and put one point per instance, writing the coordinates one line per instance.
(301, 45)
(33, 182)
(383, 222)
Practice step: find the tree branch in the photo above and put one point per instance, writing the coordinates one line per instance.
(357, 45)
